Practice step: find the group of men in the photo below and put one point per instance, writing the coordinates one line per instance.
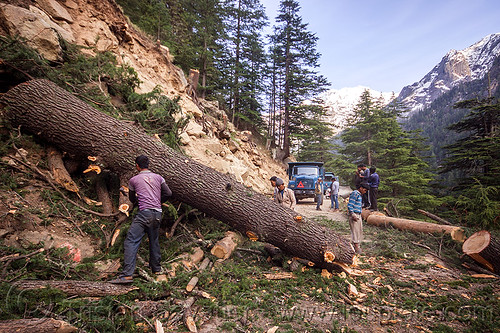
(364, 196)
(370, 180)
(149, 190)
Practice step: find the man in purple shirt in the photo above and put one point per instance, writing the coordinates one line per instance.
(149, 190)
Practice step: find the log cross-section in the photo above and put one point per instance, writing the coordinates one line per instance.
(43, 108)
(484, 249)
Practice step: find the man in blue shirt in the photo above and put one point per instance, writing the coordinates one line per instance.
(354, 208)
(374, 181)
(334, 194)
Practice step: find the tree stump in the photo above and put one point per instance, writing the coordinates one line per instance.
(484, 249)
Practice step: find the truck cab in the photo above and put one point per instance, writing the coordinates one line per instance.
(302, 177)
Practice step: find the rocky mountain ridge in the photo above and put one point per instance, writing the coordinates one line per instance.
(341, 102)
(455, 68)
(99, 25)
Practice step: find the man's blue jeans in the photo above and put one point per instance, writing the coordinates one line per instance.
(145, 222)
(335, 201)
(319, 200)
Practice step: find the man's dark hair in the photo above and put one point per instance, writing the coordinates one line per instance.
(361, 165)
(273, 178)
(373, 169)
(364, 185)
(142, 161)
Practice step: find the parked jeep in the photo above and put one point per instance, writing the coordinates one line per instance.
(303, 176)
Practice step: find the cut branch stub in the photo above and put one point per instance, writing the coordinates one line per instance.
(252, 236)
(329, 257)
(93, 167)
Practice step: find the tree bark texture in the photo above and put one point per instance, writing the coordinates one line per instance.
(379, 219)
(484, 249)
(43, 108)
(36, 325)
(78, 288)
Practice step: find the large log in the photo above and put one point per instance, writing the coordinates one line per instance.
(484, 249)
(43, 108)
(77, 288)
(379, 219)
(36, 325)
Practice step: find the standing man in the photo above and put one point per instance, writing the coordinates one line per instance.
(374, 181)
(365, 175)
(273, 184)
(284, 196)
(318, 191)
(334, 194)
(354, 212)
(149, 190)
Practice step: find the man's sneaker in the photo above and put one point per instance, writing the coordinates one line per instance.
(122, 280)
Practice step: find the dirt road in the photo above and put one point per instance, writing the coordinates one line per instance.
(307, 207)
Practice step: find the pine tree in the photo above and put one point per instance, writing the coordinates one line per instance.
(296, 60)
(245, 21)
(477, 159)
(376, 138)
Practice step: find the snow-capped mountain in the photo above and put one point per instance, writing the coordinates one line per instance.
(340, 103)
(455, 68)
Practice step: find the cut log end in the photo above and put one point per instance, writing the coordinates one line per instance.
(477, 242)
(458, 235)
(329, 256)
(124, 208)
(484, 249)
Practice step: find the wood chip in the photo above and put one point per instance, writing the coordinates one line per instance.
(326, 274)
(279, 276)
(484, 276)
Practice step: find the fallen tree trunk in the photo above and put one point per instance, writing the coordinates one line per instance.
(484, 249)
(36, 325)
(78, 288)
(379, 219)
(43, 108)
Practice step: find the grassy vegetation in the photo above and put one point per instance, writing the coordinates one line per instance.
(399, 289)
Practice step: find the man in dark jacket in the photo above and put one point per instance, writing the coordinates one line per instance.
(374, 181)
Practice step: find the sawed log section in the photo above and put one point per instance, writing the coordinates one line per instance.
(379, 219)
(484, 249)
(36, 325)
(77, 288)
(54, 114)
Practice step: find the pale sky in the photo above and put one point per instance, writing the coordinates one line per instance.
(388, 44)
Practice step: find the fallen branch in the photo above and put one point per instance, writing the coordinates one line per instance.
(17, 256)
(188, 315)
(194, 280)
(434, 217)
(172, 230)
